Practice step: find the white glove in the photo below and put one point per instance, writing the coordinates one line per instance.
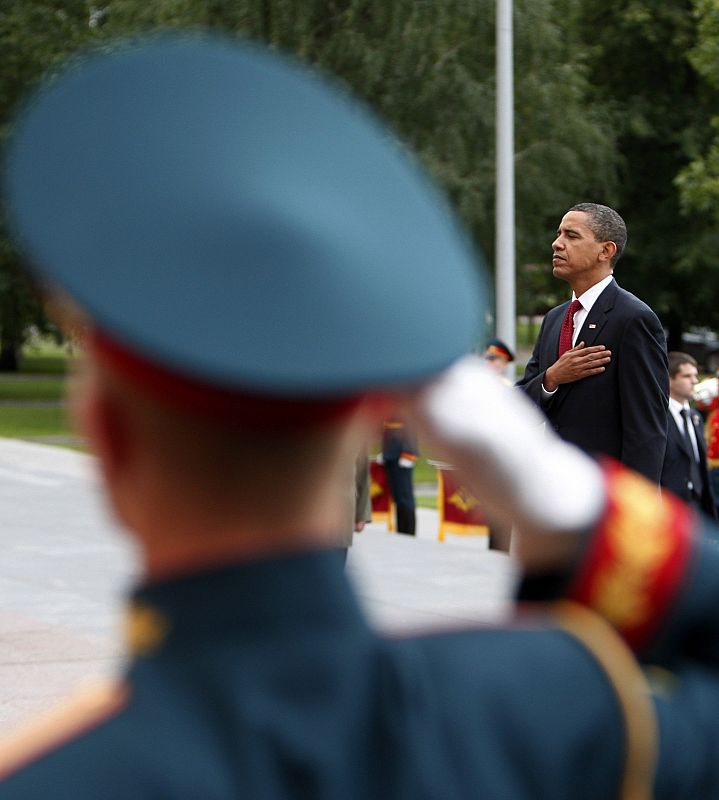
(406, 462)
(706, 391)
(496, 437)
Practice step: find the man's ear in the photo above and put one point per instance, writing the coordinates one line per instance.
(609, 250)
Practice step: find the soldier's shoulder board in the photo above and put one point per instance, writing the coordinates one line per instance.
(67, 721)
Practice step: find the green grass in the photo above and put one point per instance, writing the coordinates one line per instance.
(41, 379)
(44, 365)
(32, 388)
(44, 357)
(426, 502)
(424, 472)
(18, 422)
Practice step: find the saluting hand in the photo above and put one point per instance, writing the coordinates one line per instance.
(496, 438)
(577, 363)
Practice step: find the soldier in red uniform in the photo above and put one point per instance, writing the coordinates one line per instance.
(707, 401)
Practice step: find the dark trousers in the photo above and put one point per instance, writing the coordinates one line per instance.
(402, 489)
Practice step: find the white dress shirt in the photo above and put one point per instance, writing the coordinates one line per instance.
(675, 408)
(587, 299)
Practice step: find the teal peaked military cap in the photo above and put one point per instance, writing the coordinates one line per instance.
(229, 214)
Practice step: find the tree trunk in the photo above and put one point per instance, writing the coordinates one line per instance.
(9, 355)
(674, 327)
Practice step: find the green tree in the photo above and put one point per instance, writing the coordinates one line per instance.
(34, 36)
(426, 67)
(661, 109)
(698, 181)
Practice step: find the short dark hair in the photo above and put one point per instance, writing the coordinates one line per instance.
(676, 359)
(606, 225)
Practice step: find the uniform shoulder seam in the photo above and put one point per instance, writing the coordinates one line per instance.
(70, 719)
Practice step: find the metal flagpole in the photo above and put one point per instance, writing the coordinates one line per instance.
(504, 231)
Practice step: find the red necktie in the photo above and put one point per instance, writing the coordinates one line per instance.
(565, 335)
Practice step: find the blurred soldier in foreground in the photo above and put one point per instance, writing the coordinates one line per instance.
(230, 226)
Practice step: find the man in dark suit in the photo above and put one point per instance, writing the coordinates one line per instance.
(685, 466)
(599, 366)
(252, 671)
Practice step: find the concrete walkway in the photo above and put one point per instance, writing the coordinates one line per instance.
(65, 568)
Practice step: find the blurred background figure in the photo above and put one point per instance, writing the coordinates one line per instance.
(497, 356)
(399, 455)
(363, 501)
(684, 471)
(706, 400)
(357, 501)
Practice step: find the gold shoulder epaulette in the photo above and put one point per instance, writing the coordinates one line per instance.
(68, 720)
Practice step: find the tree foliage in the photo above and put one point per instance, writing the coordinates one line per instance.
(426, 67)
(662, 109)
(608, 108)
(698, 181)
(34, 36)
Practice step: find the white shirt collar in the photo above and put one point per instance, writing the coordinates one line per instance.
(588, 298)
(676, 407)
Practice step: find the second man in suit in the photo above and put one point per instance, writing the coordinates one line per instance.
(685, 467)
(599, 366)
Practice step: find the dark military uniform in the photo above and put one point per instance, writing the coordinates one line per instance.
(399, 449)
(263, 680)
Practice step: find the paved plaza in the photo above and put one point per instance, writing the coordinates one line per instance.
(66, 567)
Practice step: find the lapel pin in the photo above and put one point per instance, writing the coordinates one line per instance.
(593, 325)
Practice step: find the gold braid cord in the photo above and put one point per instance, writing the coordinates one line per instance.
(632, 690)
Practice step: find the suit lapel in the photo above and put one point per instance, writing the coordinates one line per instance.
(698, 424)
(589, 331)
(597, 317)
(679, 437)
